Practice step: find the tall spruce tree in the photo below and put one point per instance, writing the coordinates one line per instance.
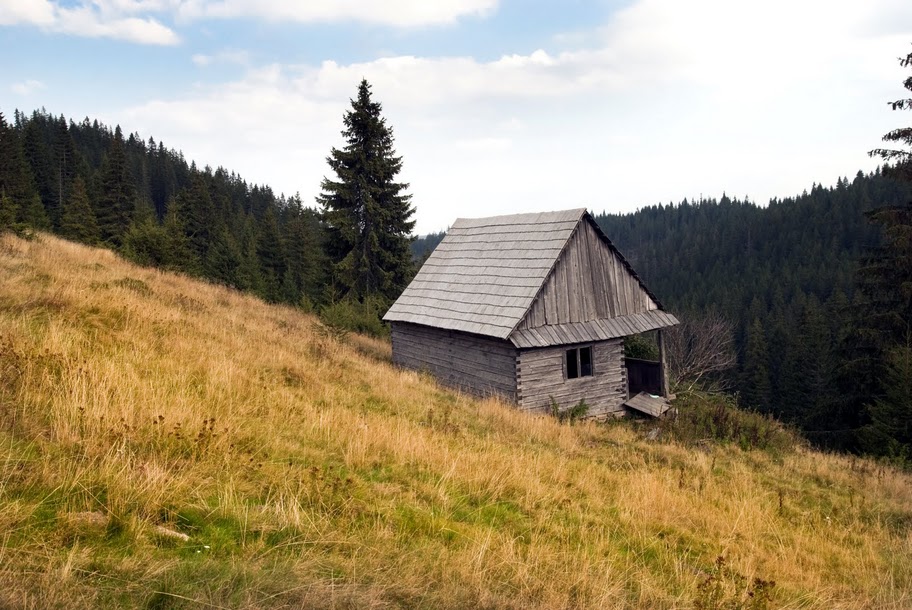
(16, 181)
(755, 383)
(78, 220)
(367, 214)
(65, 163)
(117, 195)
(7, 213)
(886, 281)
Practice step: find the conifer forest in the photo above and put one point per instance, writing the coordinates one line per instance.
(815, 288)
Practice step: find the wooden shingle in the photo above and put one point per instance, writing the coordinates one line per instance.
(537, 280)
(498, 264)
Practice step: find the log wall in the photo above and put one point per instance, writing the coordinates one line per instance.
(475, 364)
(541, 375)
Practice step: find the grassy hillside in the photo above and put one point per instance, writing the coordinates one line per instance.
(170, 444)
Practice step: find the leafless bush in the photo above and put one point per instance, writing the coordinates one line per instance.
(698, 351)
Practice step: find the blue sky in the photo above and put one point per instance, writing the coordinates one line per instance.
(498, 106)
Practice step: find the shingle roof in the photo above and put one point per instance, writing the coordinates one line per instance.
(484, 275)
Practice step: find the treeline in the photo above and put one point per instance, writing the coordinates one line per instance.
(89, 183)
(788, 277)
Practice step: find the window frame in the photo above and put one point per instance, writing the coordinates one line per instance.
(577, 355)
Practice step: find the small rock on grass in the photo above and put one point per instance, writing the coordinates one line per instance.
(165, 532)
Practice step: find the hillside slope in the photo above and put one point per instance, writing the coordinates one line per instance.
(166, 443)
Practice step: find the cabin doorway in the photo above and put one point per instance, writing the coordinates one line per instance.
(643, 376)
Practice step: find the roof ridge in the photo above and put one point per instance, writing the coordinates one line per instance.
(580, 211)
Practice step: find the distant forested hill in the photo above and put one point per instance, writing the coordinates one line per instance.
(90, 183)
(783, 275)
(724, 255)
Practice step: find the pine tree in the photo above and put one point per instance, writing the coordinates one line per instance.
(117, 195)
(32, 214)
(145, 241)
(16, 180)
(78, 221)
(271, 254)
(756, 389)
(8, 212)
(224, 258)
(890, 430)
(249, 276)
(367, 214)
(306, 261)
(885, 280)
(180, 255)
(65, 164)
(197, 214)
(37, 153)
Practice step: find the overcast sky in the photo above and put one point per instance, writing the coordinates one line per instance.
(497, 106)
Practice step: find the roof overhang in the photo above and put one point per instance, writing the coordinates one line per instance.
(594, 330)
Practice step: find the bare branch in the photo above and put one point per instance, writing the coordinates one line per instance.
(697, 351)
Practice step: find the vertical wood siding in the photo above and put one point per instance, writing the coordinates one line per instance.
(478, 365)
(540, 376)
(588, 282)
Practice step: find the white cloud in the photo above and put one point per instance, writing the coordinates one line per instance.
(400, 13)
(101, 19)
(228, 56)
(28, 87)
(38, 12)
(133, 20)
(90, 23)
(673, 101)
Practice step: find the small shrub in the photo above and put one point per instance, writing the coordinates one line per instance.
(574, 413)
(705, 417)
(138, 286)
(349, 315)
(726, 589)
(641, 347)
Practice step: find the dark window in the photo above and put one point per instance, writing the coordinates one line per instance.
(579, 362)
(572, 364)
(585, 361)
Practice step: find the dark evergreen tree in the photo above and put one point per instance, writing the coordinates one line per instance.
(249, 276)
(78, 220)
(224, 259)
(197, 214)
(8, 212)
(889, 432)
(117, 194)
(818, 365)
(37, 153)
(270, 251)
(755, 386)
(367, 214)
(885, 280)
(305, 268)
(66, 162)
(16, 180)
(32, 214)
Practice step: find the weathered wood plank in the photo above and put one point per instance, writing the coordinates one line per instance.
(540, 376)
(589, 281)
(495, 363)
(473, 363)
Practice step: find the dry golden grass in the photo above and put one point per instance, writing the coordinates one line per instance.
(310, 473)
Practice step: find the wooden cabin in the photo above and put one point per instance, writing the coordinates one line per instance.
(531, 307)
